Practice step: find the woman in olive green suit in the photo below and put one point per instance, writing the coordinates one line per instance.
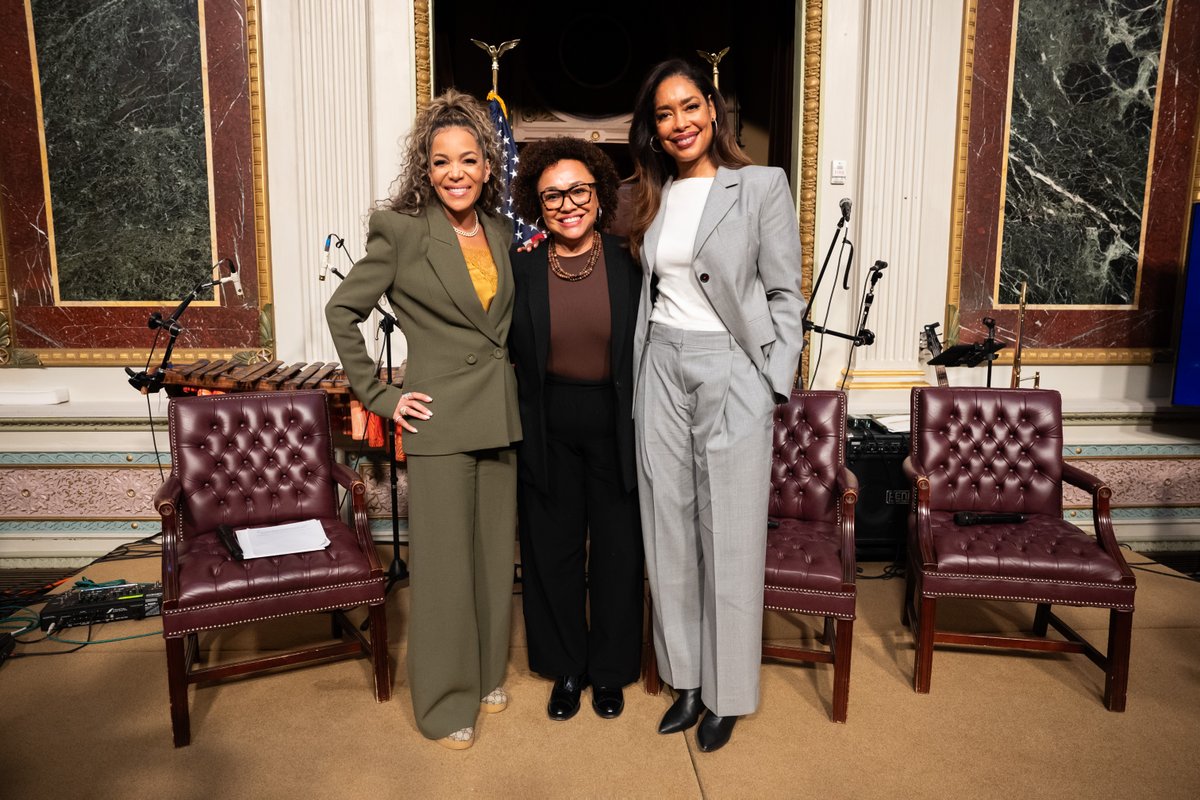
(441, 257)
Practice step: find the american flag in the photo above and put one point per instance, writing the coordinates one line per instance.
(523, 230)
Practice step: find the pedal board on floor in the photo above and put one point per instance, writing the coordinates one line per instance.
(93, 605)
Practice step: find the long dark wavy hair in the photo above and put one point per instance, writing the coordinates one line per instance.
(537, 157)
(450, 109)
(653, 167)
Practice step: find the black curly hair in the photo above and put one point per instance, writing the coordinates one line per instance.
(537, 157)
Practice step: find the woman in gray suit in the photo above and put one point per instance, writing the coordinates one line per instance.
(441, 257)
(717, 343)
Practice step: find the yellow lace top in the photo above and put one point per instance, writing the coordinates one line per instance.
(481, 267)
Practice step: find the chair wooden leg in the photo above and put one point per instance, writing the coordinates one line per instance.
(843, 639)
(926, 614)
(379, 652)
(1116, 679)
(909, 594)
(1041, 619)
(177, 685)
(827, 634)
(651, 682)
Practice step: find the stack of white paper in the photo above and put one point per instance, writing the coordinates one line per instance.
(278, 540)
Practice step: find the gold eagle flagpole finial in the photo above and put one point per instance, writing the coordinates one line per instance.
(495, 53)
(714, 59)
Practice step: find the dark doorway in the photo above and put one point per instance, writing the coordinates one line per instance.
(589, 60)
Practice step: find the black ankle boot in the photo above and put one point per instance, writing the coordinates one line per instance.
(683, 713)
(714, 732)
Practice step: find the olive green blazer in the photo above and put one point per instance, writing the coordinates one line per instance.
(457, 352)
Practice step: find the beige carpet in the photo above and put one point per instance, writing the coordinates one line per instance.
(95, 723)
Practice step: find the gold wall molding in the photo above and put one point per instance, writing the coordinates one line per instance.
(423, 38)
(809, 164)
(958, 197)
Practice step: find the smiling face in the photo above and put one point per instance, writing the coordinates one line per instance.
(683, 121)
(458, 170)
(572, 222)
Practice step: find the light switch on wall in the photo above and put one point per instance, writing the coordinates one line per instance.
(837, 172)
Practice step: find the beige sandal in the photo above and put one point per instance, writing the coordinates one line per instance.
(496, 701)
(459, 740)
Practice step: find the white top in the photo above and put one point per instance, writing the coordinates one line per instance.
(681, 302)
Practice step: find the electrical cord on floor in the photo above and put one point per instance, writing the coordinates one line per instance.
(889, 572)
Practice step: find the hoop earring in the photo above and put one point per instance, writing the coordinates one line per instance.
(654, 139)
(714, 124)
(599, 214)
(539, 223)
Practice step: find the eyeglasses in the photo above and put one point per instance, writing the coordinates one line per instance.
(580, 194)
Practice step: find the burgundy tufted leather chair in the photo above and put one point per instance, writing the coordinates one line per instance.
(1000, 450)
(810, 565)
(248, 460)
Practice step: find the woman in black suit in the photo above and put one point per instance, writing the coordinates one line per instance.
(572, 343)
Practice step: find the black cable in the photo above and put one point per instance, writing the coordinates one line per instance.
(50, 633)
(828, 305)
(857, 321)
(891, 571)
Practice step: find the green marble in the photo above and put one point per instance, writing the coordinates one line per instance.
(1084, 82)
(123, 105)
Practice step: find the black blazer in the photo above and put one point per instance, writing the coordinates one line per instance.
(529, 346)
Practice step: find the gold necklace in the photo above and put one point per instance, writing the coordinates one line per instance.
(557, 267)
(470, 233)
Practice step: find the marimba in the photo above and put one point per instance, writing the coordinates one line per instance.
(223, 376)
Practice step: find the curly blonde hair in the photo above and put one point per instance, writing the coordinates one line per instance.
(450, 109)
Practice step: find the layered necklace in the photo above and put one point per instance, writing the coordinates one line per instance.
(557, 268)
(470, 233)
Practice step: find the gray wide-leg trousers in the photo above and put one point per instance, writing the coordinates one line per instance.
(704, 417)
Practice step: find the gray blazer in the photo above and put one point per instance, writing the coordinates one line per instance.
(747, 259)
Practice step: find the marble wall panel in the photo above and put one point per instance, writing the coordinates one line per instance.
(1076, 331)
(122, 91)
(1082, 109)
(103, 331)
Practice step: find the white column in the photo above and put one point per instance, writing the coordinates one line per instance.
(910, 78)
(339, 90)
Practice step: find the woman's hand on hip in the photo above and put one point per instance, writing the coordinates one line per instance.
(411, 406)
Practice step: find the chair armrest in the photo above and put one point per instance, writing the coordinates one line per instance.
(167, 496)
(166, 503)
(353, 483)
(847, 487)
(1101, 512)
(1079, 478)
(921, 508)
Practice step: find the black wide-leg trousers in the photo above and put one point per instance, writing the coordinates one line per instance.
(581, 546)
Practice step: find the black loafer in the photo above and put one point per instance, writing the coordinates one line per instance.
(683, 713)
(714, 732)
(564, 697)
(608, 701)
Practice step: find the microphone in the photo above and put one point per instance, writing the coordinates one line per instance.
(235, 277)
(844, 204)
(878, 266)
(987, 518)
(325, 266)
(232, 277)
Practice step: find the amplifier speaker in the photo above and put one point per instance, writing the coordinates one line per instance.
(875, 457)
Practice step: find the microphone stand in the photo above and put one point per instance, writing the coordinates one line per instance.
(862, 335)
(824, 265)
(990, 324)
(398, 569)
(151, 383)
